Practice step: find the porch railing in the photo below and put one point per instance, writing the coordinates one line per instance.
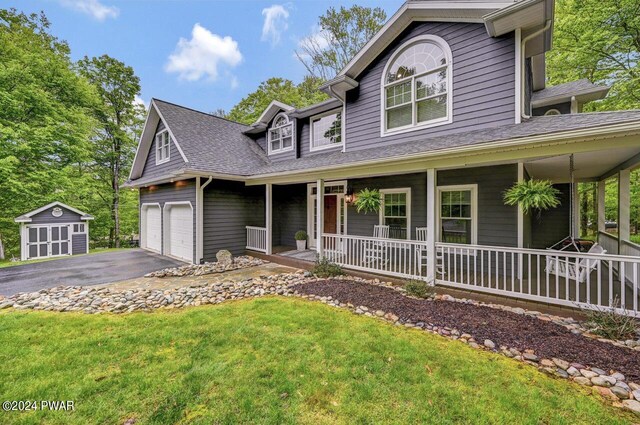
(257, 238)
(393, 257)
(563, 278)
(608, 242)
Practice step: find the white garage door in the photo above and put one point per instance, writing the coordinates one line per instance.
(180, 238)
(152, 238)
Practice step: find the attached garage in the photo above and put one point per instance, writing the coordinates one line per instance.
(54, 230)
(151, 227)
(179, 230)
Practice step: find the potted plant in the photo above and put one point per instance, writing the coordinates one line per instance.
(530, 195)
(301, 240)
(368, 200)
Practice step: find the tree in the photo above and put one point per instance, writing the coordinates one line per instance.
(249, 109)
(342, 33)
(598, 40)
(45, 120)
(120, 118)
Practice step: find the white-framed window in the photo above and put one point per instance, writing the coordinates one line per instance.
(281, 135)
(79, 228)
(163, 147)
(326, 130)
(458, 214)
(553, 112)
(416, 86)
(395, 212)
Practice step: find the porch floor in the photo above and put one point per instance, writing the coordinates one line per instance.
(306, 255)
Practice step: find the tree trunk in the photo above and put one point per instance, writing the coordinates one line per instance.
(116, 193)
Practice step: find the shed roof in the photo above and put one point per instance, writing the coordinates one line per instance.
(26, 218)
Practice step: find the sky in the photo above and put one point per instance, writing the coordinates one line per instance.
(204, 54)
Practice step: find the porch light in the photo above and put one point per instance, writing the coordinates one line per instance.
(349, 197)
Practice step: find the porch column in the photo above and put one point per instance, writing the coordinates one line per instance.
(576, 211)
(601, 209)
(320, 217)
(624, 206)
(269, 217)
(520, 212)
(431, 226)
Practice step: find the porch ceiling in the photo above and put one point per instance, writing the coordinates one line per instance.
(588, 165)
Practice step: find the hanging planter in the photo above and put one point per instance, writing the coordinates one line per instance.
(530, 195)
(368, 200)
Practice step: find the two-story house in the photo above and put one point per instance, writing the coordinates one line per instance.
(442, 111)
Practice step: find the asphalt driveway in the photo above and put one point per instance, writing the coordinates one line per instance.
(84, 270)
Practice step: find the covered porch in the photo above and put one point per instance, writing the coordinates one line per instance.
(478, 243)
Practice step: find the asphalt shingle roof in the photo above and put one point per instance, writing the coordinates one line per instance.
(567, 89)
(216, 145)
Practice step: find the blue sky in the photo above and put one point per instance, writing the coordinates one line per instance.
(204, 54)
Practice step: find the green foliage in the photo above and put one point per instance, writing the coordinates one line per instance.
(368, 200)
(249, 109)
(325, 268)
(419, 288)
(598, 40)
(342, 33)
(301, 235)
(611, 325)
(532, 195)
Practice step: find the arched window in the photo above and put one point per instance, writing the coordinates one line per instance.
(281, 134)
(553, 112)
(416, 85)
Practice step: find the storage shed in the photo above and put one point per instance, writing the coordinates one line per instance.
(52, 231)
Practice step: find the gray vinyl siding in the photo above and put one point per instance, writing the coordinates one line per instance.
(361, 224)
(564, 108)
(45, 217)
(483, 85)
(289, 213)
(174, 163)
(551, 226)
(497, 222)
(78, 243)
(181, 191)
(228, 208)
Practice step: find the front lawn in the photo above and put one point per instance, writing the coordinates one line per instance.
(269, 360)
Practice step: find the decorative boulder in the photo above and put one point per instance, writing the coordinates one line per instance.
(224, 257)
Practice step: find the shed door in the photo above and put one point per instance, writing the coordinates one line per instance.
(38, 244)
(152, 237)
(60, 240)
(181, 232)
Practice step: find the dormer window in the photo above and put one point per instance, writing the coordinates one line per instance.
(281, 137)
(416, 86)
(163, 147)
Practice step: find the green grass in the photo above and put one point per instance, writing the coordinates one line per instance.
(9, 263)
(269, 360)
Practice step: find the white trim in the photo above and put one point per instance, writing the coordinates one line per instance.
(313, 148)
(166, 232)
(143, 226)
(474, 208)
(290, 123)
(173, 137)
(48, 226)
(312, 199)
(268, 204)
(519, 76)
(268, 110)
(432, 205)
(159, 148)
(405, 190)
(25, 218)
(200, 217)
(552, 112)
(520, 212)
(73, 232)
(440, 42)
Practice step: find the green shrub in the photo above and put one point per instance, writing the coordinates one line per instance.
(532, 195)
(419, 289)
(368, 200)
(611, 325)
(325, 268)
(300, 235)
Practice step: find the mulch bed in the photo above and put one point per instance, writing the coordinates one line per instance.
(502, 327)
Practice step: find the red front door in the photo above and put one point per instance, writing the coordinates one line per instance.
(330, 214)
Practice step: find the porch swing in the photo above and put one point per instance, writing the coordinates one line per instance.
(563, 266)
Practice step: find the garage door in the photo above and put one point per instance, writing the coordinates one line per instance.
(152, 238)
(180, 238)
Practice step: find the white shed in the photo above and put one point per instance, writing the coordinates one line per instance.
(52, 231)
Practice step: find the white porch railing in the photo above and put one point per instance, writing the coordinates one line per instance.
(608, 242)
(563, 278)
(257, 238)
(393, 257)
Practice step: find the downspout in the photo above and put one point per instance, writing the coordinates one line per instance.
(200, 220)
(524, 41)
(344, 116)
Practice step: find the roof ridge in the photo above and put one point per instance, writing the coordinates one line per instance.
(589, 113)
(199, 112)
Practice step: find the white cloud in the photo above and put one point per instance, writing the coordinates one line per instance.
(202, 55)
(275, 23)
(234, 82)
(92, 8)
(140, 101)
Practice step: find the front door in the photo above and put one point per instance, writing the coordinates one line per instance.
(331, 214)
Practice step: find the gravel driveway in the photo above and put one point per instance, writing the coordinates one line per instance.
(92, 269)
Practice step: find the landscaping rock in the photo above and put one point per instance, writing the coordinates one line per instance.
(632, 405)
(489, 344)
(224, 257)
(561, 364)
(588, 374)
(582, 380)
(227, 264)
(600, 381)
(621, 393)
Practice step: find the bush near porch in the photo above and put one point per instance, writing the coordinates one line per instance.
(269, 360)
